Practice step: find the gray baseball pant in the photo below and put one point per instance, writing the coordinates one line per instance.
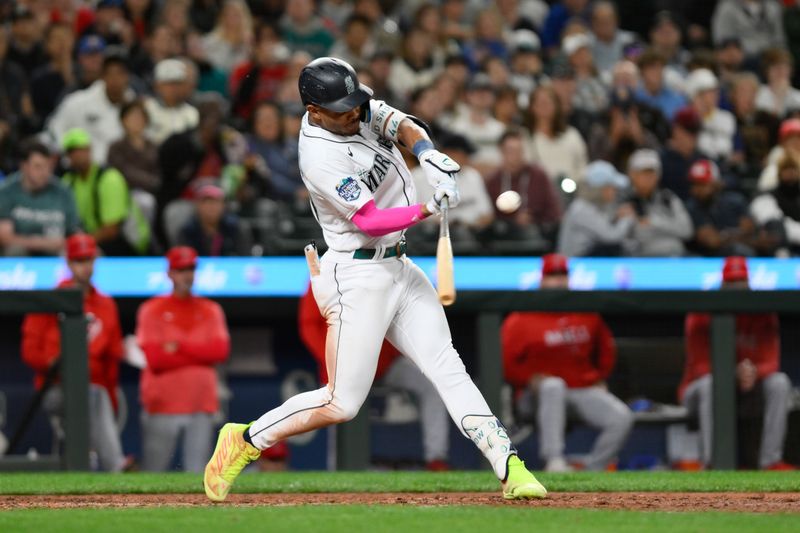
(103, 432)
(594, 406)
(404, 374)
(776, 387)
(160, 434)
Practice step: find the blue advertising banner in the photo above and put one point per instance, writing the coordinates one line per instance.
(288, 276)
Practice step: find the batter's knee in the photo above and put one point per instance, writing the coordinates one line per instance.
(345, 410)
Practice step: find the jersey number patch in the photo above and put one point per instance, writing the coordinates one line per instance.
(348, 189)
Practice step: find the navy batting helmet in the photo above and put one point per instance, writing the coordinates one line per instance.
(332, 83)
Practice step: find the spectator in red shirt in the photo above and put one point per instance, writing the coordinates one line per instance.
(558, 363)
(41, 348)
(758, 359)
(393, 371)
(183, 336)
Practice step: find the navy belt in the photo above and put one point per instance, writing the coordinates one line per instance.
(397, 250)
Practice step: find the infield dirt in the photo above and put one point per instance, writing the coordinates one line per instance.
(639, 501)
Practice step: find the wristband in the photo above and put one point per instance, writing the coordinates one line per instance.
(420, 146)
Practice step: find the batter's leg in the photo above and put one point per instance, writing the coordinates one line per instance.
(551, 419)
(197, 439)
(420, 331)
(357, 302)
(159, 440)
(602, 410)
(697, 399)
(403, 374)
(777, 388)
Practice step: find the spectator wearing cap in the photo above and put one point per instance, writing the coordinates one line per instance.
(758, 23)
(37, 212)
(594, 223)
(778, 210)
(136, 157)
(476, 123)
(756, 129)
(304, 30)
(719, 126)
(722, 225)
(591, 95)
(169, 112)
(758, 359)
(680, 151)
(777, 96)
(258, 79)
(212, 231)
(110, 24)
(41, 348)
(24, 43)
(558, 364)
(788, 145)
(59, 74)
(478, 211)
(607, 39)
(96, 108)
(554, 145)
(103, 200)
(417, 65)
(527, 70)
(183, 337)
(653, 89)
(663, 225)
(560, 14)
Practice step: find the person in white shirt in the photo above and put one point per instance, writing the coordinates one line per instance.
(719, 126)
(96, 108)
(476, 123)
(168, 111)
(777, 96)
(608, 41)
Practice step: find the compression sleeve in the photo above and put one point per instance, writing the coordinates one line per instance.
(376, 222)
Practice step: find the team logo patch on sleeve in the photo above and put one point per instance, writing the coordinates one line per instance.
(348, 189)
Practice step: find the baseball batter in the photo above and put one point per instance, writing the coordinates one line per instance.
(367, 289)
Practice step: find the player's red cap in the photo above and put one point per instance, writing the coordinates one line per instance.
(704, 171)
(81, 246)
(554, 265)
(789, 127)
(182, 257)
(735, 269)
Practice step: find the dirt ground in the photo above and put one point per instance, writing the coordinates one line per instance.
(640, 501)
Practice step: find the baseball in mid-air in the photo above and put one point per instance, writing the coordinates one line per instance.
(508, 202)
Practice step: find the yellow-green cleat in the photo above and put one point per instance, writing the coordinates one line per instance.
(520, 484)
(230, 456)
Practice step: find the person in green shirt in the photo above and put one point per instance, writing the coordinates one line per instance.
(37, 213)
(103, 200)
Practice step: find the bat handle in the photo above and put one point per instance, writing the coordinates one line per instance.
(444, 224)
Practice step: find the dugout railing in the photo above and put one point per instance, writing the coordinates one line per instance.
(488, 308)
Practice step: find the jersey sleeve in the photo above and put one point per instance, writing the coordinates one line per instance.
(334, 181)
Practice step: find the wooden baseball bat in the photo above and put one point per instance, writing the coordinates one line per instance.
(444, 260)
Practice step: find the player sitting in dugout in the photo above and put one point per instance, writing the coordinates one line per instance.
(394, 371)
(558, 364)
(758, 360)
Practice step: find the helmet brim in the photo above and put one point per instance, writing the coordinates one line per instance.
(351, 101)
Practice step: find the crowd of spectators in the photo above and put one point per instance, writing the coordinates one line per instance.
(153, 123)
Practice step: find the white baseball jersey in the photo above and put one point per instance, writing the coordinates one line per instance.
(344, 173)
